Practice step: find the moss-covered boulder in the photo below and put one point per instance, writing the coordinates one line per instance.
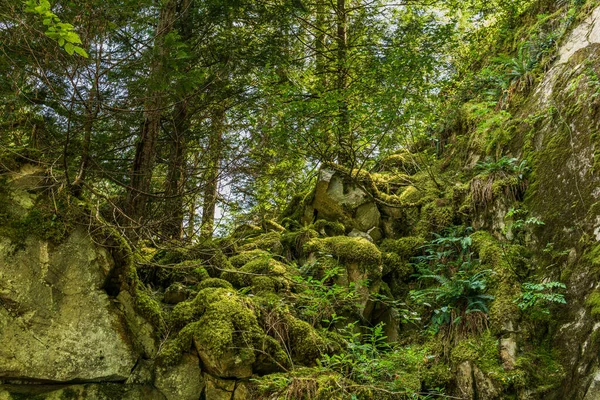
(338, 198)
(362, 262)
(224, 330)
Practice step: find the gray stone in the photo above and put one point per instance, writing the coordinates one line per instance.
(219, 389)
(472, 383)
(56, 322)
(183, 381)
(91, 391)
(367, 217)
(227, 365)
(508, 352)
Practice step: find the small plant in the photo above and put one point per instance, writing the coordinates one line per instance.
(519, 222)
(456, 291)
(371, 362)
(459, 300)
(504, 165)
(536, 298)
(321, 298)
(505, 176)
(520, 68)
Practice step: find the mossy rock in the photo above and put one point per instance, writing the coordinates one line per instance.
(270, 242)
(350, 249)
(224, 328)
(214, 283)
(294, 242)
(593, 303)
(279, 273)
(245, 257)
(405, 247)
(329, 228)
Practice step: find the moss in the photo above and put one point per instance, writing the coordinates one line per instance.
(593, 302)
(246, 231)
(541, 369)
(397, 253)
(46, 220)
(405, 247)
(280, 274)
(294, 210)
(189, 272)
(393, 263)
(369, 183)
(401, 160)
(306, 344)
(310, 384)
(329, 228)
(270, 242)
(262, 284)
(148, 307)
(503, 284)
(436, 216)
(200, 274)
(214, 283)
(173, 349)
(294, 242)
(189, 311)
(482, 350)
(229, 324)
(350, 249)
(245, 257)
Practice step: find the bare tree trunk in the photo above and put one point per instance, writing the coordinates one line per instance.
(176, 174)
(176, 169)
(211, 182)
(145, 153)
(191, 227)
(343, 130)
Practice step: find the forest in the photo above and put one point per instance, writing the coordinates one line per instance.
(299, 199)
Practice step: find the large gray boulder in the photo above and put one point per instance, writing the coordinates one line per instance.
(338, 198)
(56, 322)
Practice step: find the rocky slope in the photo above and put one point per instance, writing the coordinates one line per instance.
(263, 313)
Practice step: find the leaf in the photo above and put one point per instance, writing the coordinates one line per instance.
(69, 48)
(61, 42)
(81, 52)
(47, 21)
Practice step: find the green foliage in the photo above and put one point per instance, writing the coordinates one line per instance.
(63, 33)
(456, 290)
(371, 361)
(503, 165)
(322, 300)
(519, 222)
(536, 298)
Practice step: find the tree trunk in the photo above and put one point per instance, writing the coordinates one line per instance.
(175, 182)
(211, 181)
(145, 153)
(344, 134)
(176, 169)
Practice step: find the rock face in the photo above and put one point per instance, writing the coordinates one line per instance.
(337, 198)
(182, 382)
(56, 322)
